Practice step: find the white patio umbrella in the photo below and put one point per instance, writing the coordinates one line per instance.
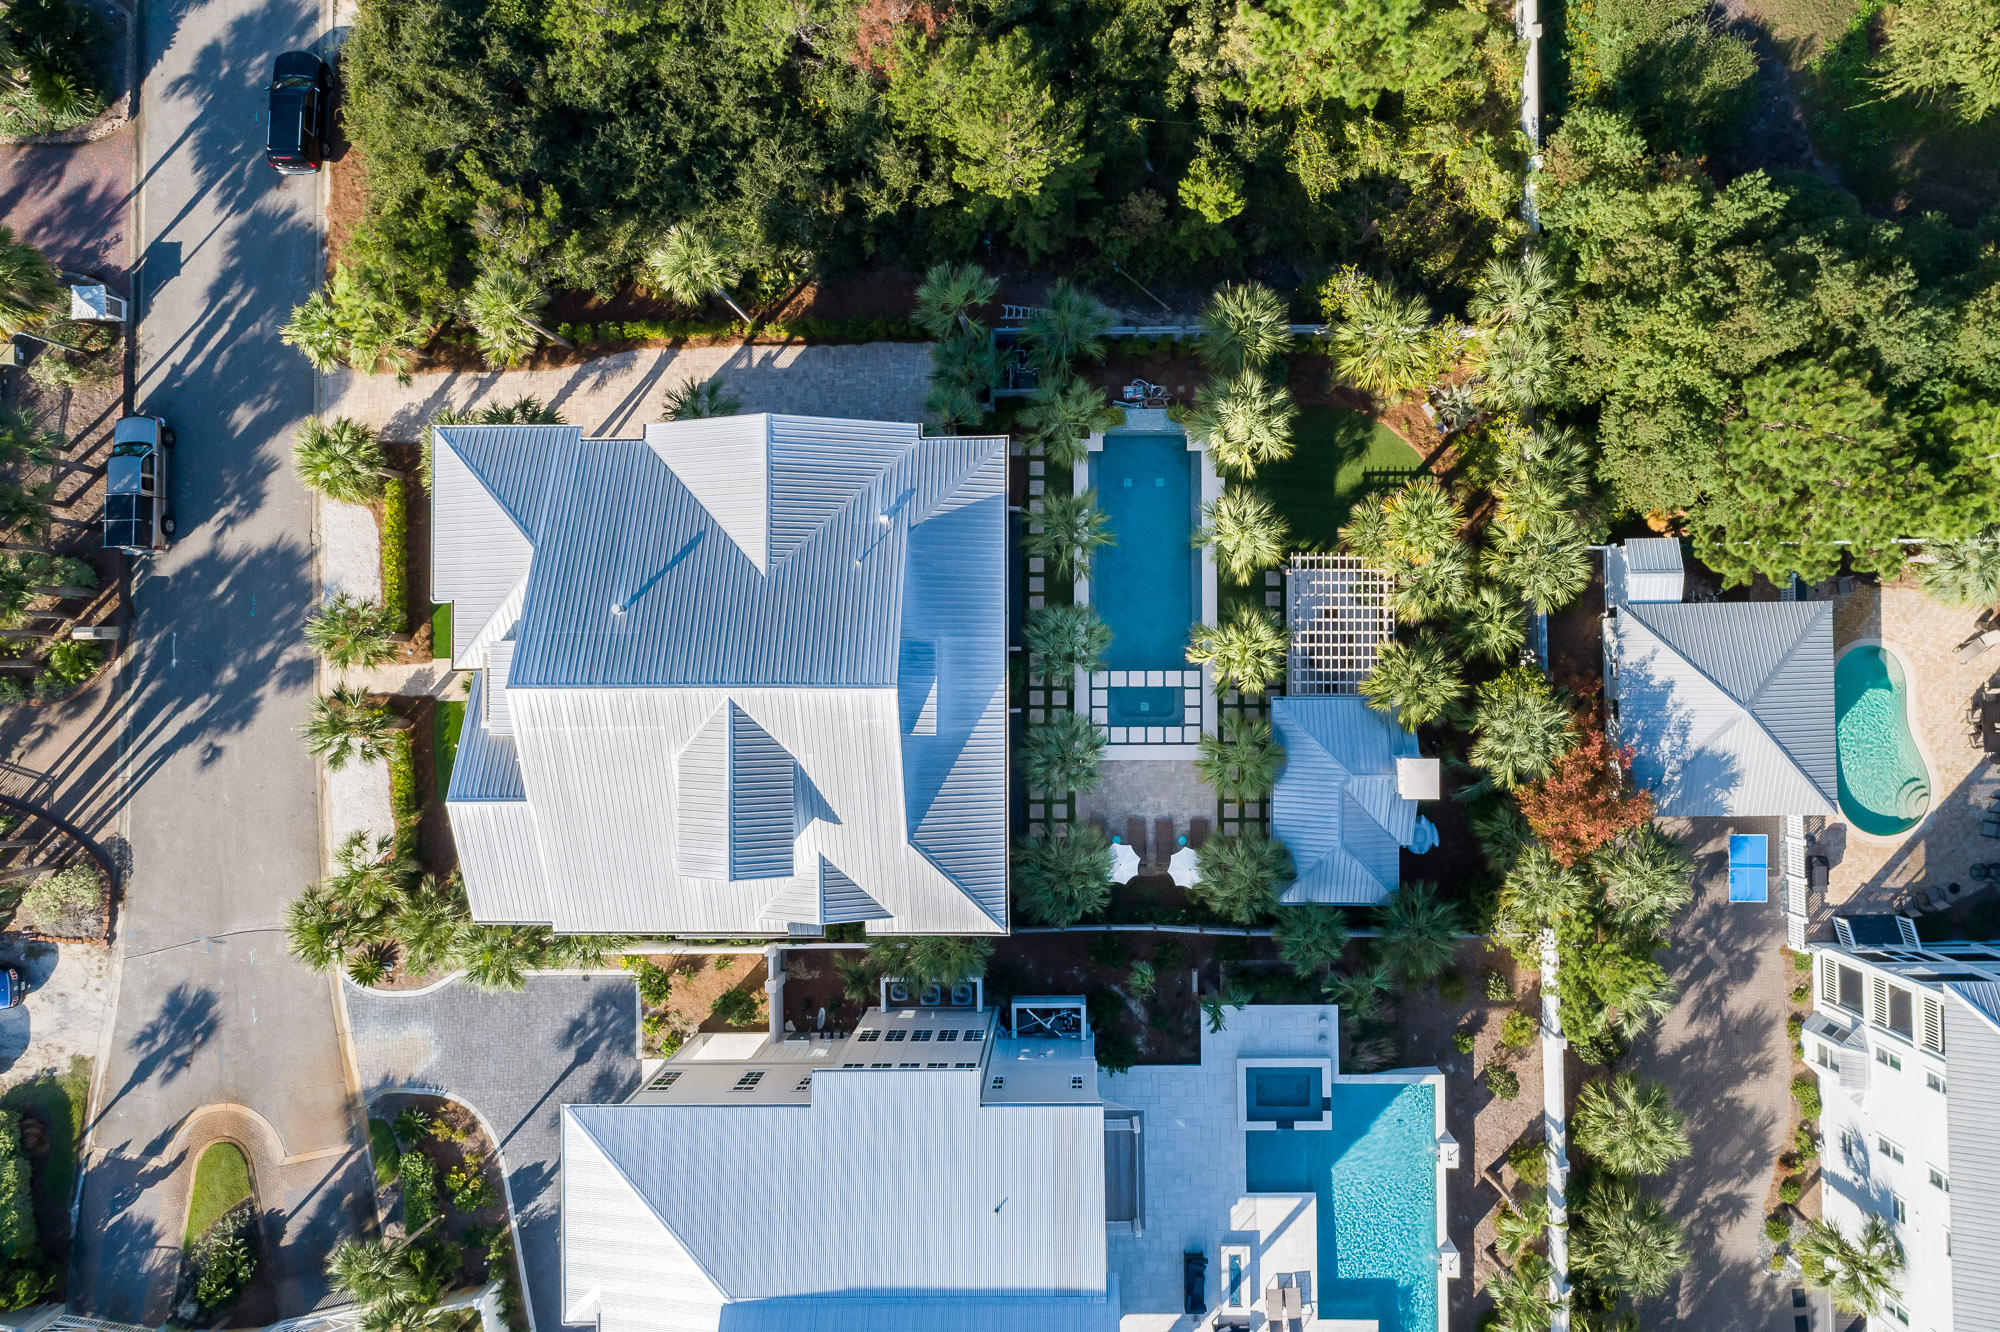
(1185, 866)
(1124, 863)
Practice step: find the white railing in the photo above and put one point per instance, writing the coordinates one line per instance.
(1555, 1125)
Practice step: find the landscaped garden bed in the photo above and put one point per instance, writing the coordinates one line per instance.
(685, 993)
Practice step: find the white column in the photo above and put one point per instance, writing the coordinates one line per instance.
(1555, 1124)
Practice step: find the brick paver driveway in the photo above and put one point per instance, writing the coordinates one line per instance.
(516, 1059)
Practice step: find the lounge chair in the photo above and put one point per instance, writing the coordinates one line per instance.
(1977, 644)
(1197, 832)
(1163, 840)
(1135, 837)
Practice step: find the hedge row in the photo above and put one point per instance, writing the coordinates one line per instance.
(395, 555)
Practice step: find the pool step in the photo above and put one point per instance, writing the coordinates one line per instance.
(1913, 798)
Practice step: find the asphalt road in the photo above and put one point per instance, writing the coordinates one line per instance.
(222, 810)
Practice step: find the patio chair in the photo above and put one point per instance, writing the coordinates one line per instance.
(1977, 644)
(1135, 837)
(1197, 832)
(1990, 826)
(1163, 840)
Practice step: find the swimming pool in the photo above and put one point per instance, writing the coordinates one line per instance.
(1885, 786)
(1375, 1172)
(1282, 1095)
(1144, 587)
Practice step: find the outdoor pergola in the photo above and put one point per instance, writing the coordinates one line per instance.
(1337, 611)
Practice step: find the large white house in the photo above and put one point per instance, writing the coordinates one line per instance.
(741, 676)
(1905, 1040)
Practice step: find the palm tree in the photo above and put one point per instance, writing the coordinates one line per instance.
(497, 957)
(930, 959)
(371, 964)
(947, 295)
(1239, 876)
(1521, 1300)
(1516, 293)
(1245, 420)
(1965, 571)
(1419, 933)
(1247, 653)
(1384, 345)
(354, 321)
(1072, 529)
(502, 306)
(697, 400)
(1859, 1273)
(1243, 763)
(1629, 1126)
(1419, 681)
(1310, 938)
(1539, 892)
(1422, 522)
(350, 631)
(1061, 880)
(1061, 755)
(688, 267)
(30, 287)
(1068, 639)
(1068, 325)
(1493, 626)
(1626, 1240)
(397, 1285)
(1520, 1225)
(316, 928)
(1062, 412)
(341, 459)
(1520, 727)
(430, 922)
(1548, 563)
(1245, 530)
(1634, 989)
(347, 725)
(373, 872)
(1243, 327)
(1646, 880)
(1359, 995)
(950, 408)
(1517, 369)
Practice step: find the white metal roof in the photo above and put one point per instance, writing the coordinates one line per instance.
(1728, 707)
(1644, 569)
(890, 1185)
(824, 601)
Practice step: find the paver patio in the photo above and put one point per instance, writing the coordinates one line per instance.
(1879, 874)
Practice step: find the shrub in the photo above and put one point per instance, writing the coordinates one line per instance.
(395, 553)
(403, 791)
(1790, 1190)
(656, 983)
(1801, 992)
(420, 1191)
(1108, 950)
(1239, 876)
(1530, 1161)
(1777, 1229)
(1140, 981)
(19, 1239)
(1453, 987)
(68, 665)
(1518, 1030)
(1463, 1040)
(412, 1126)
(57, 68)
(470, 1189)
(1795, 1027)
(1502, 1081)
(1805, 1144)
(223, 1262)
(1117, 1051)
(1805, 1090)
(68, 904)
(1802, 961)
(1498, 990)
(737, 1008)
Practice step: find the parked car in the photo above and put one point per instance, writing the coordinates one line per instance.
(136, 518)
(12, 988)
(300, 96)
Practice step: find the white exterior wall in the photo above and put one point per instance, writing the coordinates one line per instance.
(1859, 1178)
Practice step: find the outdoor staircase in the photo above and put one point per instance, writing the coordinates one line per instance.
(1792, 859)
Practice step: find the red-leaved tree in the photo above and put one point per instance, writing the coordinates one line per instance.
(1587, 800)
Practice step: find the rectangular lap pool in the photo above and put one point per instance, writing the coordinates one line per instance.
(1375, 1174)
(1145, 587)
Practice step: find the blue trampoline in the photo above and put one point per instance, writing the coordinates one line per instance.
(1749, 867)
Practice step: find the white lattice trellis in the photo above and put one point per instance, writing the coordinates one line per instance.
(1337, 611)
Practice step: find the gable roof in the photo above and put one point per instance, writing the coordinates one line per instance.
(735, 649)
(1336, 806)
(1728, 707)
(945, 1200)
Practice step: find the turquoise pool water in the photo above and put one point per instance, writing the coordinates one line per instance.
(1145, 705)
(1884, 786)
(1144, 586)
(1375, 1172)
(1281, 1095)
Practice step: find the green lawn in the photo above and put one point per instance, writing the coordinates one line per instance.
(441, 631)
(450, 718)
(382, 1146)
(1338, 457)
(221, 1180)
(58, 1101)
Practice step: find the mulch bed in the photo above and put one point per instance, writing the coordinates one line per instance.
(447, 1156)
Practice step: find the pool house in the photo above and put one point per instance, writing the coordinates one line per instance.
(1150, 588)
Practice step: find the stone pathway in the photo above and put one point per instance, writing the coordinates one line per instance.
(1882, 874)
(516, 1059)
(618, 395)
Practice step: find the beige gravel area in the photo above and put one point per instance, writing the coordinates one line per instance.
(69, 997)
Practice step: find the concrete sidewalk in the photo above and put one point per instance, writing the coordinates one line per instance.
(618, 395)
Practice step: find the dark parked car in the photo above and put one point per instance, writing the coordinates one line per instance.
(12, 988)
(300, 96)
(136, 519)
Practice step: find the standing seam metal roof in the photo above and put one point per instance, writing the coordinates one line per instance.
(1336, 806)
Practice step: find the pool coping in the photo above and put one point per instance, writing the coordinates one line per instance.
(1909, 724)
(1139, 421)
(1446, 1157)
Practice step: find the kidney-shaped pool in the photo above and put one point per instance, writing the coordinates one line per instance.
(1885, 787)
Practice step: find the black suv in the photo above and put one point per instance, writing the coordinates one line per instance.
(300, 96)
